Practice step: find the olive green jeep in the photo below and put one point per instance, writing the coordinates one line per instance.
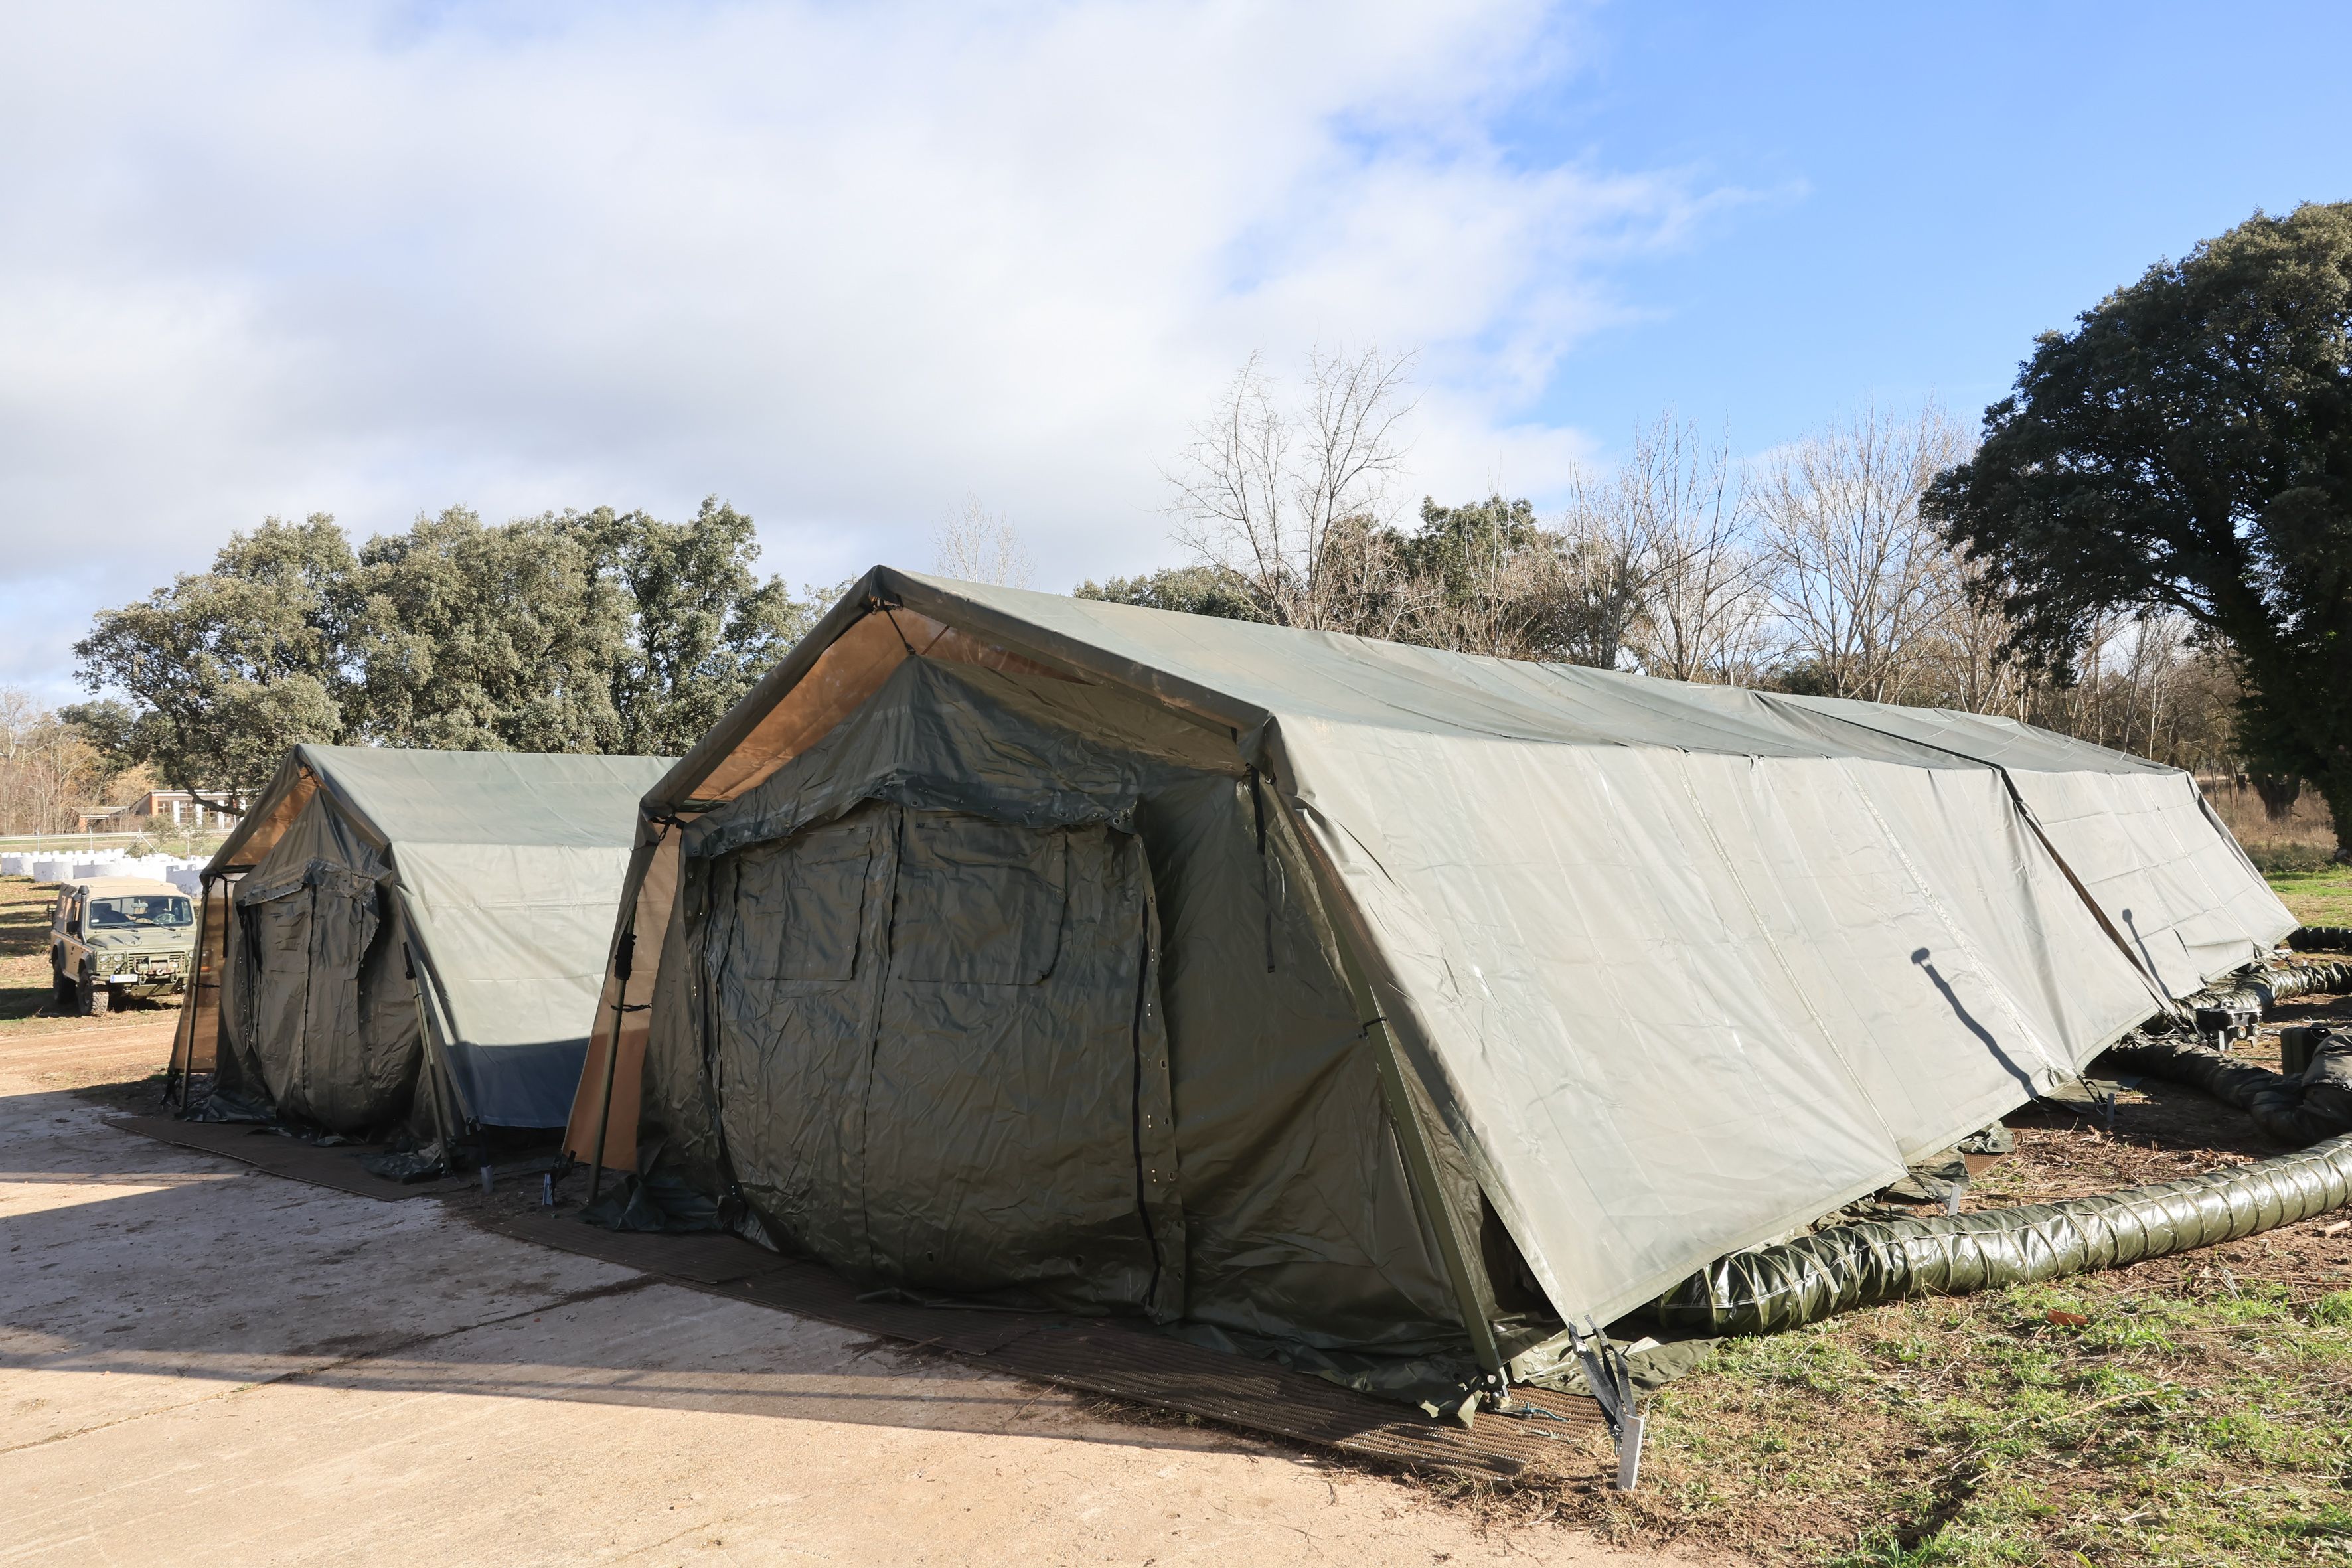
(114, 937)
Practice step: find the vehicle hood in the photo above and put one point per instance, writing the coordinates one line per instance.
(150, 940)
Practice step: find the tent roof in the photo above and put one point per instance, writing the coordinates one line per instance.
(398, 796)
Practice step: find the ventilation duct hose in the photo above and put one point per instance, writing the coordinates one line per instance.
(2321, 939)
(2271, 984)
(2290, 1111)
(1770, 1288)
(1802, 1281)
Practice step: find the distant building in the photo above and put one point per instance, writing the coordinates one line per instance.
(184, 807)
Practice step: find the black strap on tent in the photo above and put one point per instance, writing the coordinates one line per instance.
(431, 1070)
(1135, 1115)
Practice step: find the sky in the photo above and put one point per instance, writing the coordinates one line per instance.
(848, 265)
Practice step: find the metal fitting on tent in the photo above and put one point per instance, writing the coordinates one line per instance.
(1836, 1271)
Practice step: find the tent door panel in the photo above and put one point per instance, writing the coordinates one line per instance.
(277, 1002)
(790, 955)
(307, 948)
(1014, 1070)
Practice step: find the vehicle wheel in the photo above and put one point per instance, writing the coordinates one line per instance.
(67, 993)
(95, 997)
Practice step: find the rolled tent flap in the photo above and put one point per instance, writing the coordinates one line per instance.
(378, 894)
(1667, 970)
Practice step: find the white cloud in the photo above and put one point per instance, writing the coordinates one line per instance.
(842, 264)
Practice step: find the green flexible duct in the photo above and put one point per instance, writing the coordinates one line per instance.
(1835, 1271)
(2321, 939)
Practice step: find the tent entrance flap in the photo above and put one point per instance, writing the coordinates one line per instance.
(939, 1055)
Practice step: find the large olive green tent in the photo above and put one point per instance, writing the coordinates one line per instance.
(410, 938)
(1368, 1005)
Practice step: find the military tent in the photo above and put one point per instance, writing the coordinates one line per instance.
(1375, 1008)
(410, 940)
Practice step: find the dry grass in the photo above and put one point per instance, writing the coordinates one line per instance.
(2304, 841)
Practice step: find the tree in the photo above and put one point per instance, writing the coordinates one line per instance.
(703, 626)
(229, 668)
(1480, 578)
(488, 640)
(1294, 499)
(1859, 576)
(982, 546)
(1193, 590)
(1704, 610)
(2188, 448)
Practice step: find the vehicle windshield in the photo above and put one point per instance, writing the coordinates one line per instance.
(140, 909)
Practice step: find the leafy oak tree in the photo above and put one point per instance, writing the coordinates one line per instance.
(226, 668)
(474, 638)
(2188, 448)
(596, 631)
(703, 625)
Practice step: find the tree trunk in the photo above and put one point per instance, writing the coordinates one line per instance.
(2337, 788)
(2279, 793)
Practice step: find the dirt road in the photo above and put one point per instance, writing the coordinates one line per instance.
(200, 1364)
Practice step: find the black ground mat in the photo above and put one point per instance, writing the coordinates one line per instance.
(1096, 1355)
(337, 1166)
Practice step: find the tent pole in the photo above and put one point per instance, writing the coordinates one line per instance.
(173, 1075)
(622, 957)
(1421, 1160)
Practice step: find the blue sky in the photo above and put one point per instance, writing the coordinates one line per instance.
(849, 266)
(1930, 186)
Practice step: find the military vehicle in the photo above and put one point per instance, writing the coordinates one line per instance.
(115, 937)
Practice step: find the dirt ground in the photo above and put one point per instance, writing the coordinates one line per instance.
(203, 1364)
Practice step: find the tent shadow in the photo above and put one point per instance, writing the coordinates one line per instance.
(161, 1267)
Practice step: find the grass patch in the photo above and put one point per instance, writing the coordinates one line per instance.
(2320, 896)
(2200, 1423)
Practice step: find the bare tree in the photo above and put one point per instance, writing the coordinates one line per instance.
(1294, 500)
(1703, 615)
(980, 546)
(1598, 579)
(48, 767)
(1858, 576)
